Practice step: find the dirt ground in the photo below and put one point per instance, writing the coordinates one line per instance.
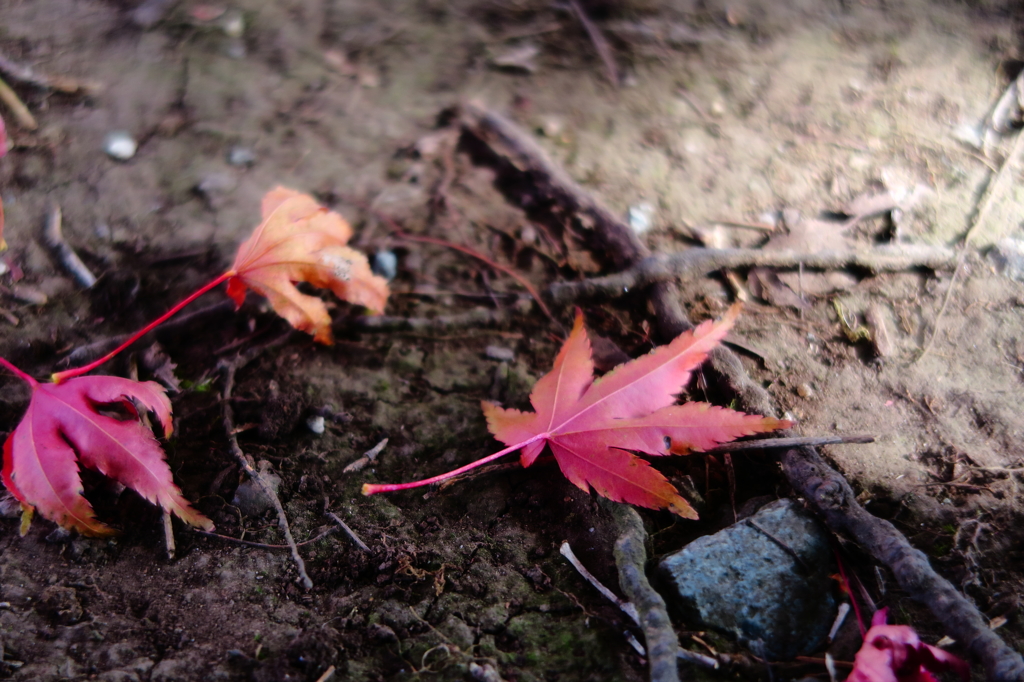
(729, 112)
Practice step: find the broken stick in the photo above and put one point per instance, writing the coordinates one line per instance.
(697, 262)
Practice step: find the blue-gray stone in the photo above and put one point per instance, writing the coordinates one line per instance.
(241, 156)
(385, 264)
(764, 580)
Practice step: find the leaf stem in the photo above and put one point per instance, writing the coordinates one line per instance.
(18, 373)
(374, 488)
(58, 377)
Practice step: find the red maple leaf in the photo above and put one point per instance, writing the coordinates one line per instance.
(894, 653)
(594, 426)
(63, 423)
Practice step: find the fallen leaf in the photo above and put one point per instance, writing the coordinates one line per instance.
(593, 426)
(159, 364)
(69, 423)
(894, 653)
(301, 241)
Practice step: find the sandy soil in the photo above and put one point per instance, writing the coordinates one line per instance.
(736, 112)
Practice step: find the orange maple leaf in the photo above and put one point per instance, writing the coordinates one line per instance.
(301, 241)
(594, 426)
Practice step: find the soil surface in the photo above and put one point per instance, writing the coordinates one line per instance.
(731, 119)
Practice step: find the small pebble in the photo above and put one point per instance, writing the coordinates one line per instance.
(550, 126)
(499, 353)
(1008, 257)
(120, 145)
(316, 424)
(805, 391)
(639, 217)
(235, 48)
(58, 536)
(233, 24)
(216, 182)
(970, 134)
(241, 156)
(385, 264)
(528, 233)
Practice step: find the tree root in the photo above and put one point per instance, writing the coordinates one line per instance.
(478, 317)
(519, 162)
(698, 261)
(631, 558)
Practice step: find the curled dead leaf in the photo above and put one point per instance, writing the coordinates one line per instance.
(301, 241)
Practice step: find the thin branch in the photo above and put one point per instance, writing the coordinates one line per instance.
(627, 608)
(168, 536)
(697, 262)
(53, 237)
(786, 443)
(604, 50)
(478, 317)
(21, 113)
(263, 545)
(348, 531)
(25, 74)
(229, 369)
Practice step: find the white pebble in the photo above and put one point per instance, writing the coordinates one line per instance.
(316, 424)
(499, 353)
(120, 145)
(639, 217)
(233, 24)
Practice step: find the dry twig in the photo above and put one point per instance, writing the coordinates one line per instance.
(697, 262)
(627, 608)
(263, 545)
(786, 443)
(349, 532)
(24, 74)
(228, 369)
(21, 113)
(53, 237)
(478, 317)
(604, 50)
